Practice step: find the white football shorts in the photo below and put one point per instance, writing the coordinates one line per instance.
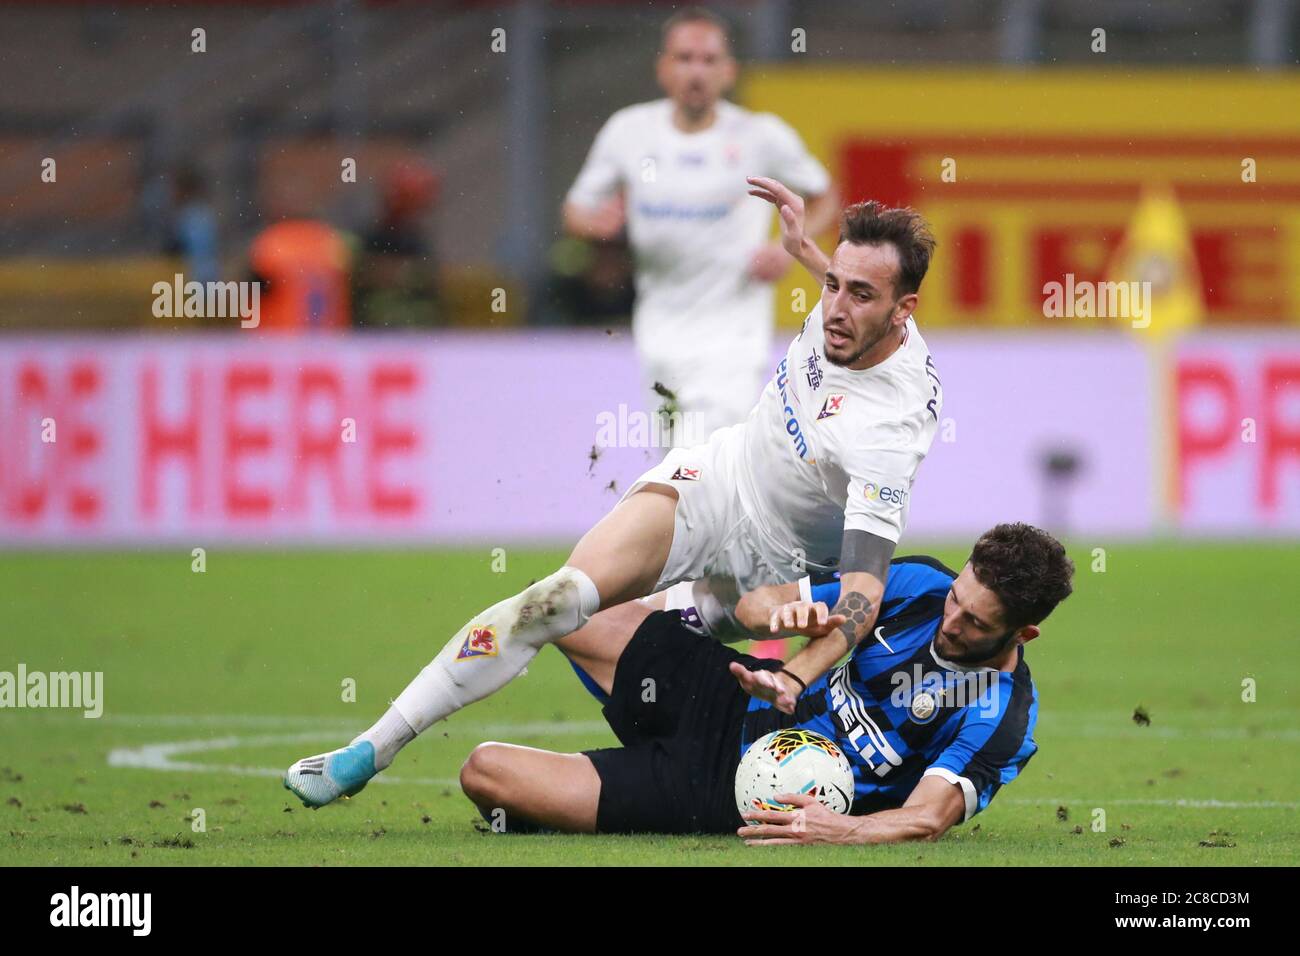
(714, 539)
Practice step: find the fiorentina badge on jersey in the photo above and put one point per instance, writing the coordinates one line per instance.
(833, 405)
(686, 474)
(480, 642)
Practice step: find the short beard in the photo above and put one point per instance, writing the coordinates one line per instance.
(695, 114)
(983, 657)
(860, 352)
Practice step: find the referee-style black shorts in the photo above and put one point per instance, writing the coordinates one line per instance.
(678, 712)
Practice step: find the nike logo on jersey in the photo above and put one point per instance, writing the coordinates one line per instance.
(879, 636)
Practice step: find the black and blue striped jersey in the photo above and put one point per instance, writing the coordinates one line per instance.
(900, 712)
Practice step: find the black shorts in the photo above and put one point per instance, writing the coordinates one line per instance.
(678, 712)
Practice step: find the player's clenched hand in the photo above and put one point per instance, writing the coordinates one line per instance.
(809, 822)
(769, 262)
(606, 220)
(788, 203)
(809, 618)
(777, 689)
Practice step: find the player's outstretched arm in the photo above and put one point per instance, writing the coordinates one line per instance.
(858, 607)
(931, 809)
(776, 610)
(864, 563)
(855, 613)
(796, 239)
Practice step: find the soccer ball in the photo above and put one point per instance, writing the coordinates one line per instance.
(793, 761)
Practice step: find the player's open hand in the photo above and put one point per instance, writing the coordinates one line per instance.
(777, 689)
(806, 618)
(809, 822)
(788, 203)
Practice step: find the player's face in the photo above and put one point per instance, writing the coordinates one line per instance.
(695, 67)
(858, 302)
(972, 631)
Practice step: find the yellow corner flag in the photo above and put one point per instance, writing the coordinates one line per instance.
(1157, 265)
(1156, 253)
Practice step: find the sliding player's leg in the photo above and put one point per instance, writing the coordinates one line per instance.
(620, 559)
(677, 711)
(521, 787)
(518, 788)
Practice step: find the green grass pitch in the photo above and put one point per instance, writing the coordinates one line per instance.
(215, 682)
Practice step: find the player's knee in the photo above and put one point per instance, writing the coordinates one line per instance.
(485, 772)
(553, 607)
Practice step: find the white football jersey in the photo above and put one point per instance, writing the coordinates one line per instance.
(691, 223)
(828, 448)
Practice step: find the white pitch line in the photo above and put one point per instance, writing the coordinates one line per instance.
(340, 725)
(1168, 733)
(1183, 802)
(1091, 724)
(163, 756)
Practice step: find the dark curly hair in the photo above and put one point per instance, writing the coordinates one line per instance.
(1026, 568)
(872, 222)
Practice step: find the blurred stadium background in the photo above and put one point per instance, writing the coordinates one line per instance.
(258, 121)
(169, 161)
(475, 349)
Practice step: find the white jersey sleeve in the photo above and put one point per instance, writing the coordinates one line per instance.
(881, 467)
(789, 160)
(601, 174)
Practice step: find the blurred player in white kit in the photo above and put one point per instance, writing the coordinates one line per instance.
(673, 171)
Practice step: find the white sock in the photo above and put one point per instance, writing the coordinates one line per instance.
(491, 650)
(389, 734)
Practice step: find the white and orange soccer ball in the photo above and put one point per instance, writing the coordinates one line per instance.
(793, 761)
